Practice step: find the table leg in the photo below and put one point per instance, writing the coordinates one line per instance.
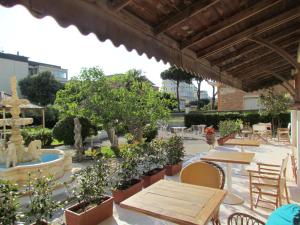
(243, 170)
(231, 199)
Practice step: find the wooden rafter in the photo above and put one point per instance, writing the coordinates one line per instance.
(277, 50)
(117, 5)
(260, 53)
(183, 15)
(279, 36)
(257, 29)
(285, 83)
(229, 22)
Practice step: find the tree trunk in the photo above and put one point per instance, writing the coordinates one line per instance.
(113, 138)
(177, 94)
(199, 93)
(213, 98)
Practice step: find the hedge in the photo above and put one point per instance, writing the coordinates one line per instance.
(37, 133)
(214, 118)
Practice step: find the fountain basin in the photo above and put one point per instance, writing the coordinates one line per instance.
(53, 162)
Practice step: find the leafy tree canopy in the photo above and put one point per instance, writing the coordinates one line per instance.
(41, 88)
(176, 74)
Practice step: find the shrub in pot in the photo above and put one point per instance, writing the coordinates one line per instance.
(127, 174)
(153, 159)
(90, 188)
(8, 202)
(42, 205)
(227, 129)
(174, 155)
(210, 135)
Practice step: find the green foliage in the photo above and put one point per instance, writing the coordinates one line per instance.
(8, 202)
(174, 150)
(108, 152)
(274, 103)
(42, 205)
(227, 127)
(247, 117)
(51, 116)
(64, 129)
(40, 88)
(150, 132)
(153, 155)
(92, 183)
(127, 169)
(200, 104)
(37, 133)
(170, 99)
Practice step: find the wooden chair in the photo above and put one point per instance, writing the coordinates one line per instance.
(294, 162)
(206, 174)
(268, 180)
(243, 219)
(283, 134)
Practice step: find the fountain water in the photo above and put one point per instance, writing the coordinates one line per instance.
(20, 160)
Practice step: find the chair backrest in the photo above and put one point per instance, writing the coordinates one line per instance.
(283, 166)
(243, 219)
(203, 173)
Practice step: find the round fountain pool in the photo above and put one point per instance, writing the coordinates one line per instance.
(52, 162)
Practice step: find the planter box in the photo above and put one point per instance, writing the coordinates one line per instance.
(157, 175)
(121, 195)
(91, 216)
(172, 170)
(222, 140)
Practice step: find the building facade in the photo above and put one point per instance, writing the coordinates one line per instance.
(21, 67)
(188, 92)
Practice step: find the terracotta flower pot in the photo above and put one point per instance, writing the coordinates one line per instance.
(121, 195)
(153, 176)
(91, 216)
(172, 170)
(210, 139)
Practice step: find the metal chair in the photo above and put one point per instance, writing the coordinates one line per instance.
(269, 180)
(206, 174)
(243, 219)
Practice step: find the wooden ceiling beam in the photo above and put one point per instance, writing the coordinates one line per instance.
(252, 47)
(117, 5)
(256, 55)
(284, 54)
(275, 21)
(285, 83)
(229, 22)
(193, 9)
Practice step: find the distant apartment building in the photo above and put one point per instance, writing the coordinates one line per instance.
(21, 67)
(186, 91)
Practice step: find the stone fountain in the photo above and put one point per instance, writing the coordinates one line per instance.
(20, 160)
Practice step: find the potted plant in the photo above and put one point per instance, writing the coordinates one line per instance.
(90, 186)
(174, 154)
(210, 135)
(8, 202)
(127, 175)
(154, 160)
(228, 129)
(42, 205)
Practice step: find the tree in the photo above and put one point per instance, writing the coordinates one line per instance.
(274, 104)
(177, 75)
(40, 88)
(199, 80)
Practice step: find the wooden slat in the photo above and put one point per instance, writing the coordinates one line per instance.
(229, 157)
(117, 5)
(278, 36)
(254, 55)
(242, 142)
(169, 200)
(277, 50)
(183, 15)
(229, 22)
(257, 29)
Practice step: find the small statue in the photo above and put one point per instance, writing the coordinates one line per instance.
(11, 157)
(77, 134)
(33, 152)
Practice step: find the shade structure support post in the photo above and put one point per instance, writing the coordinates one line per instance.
(294, 128)
(297, 101)
(298, 147)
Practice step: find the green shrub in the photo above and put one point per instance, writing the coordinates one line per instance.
(8, 202)
(37, 133)
(150, 132)
(247, 117)
(107, 152)
(227, 127)
(174, 150)
(64, 129)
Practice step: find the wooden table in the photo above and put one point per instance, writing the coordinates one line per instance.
(177, 202)
(229, 158)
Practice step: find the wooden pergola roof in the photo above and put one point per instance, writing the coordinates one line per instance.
(247, 44)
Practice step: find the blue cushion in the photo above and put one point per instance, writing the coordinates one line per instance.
(285, 215)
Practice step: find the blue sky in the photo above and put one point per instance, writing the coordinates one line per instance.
(43, 40)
